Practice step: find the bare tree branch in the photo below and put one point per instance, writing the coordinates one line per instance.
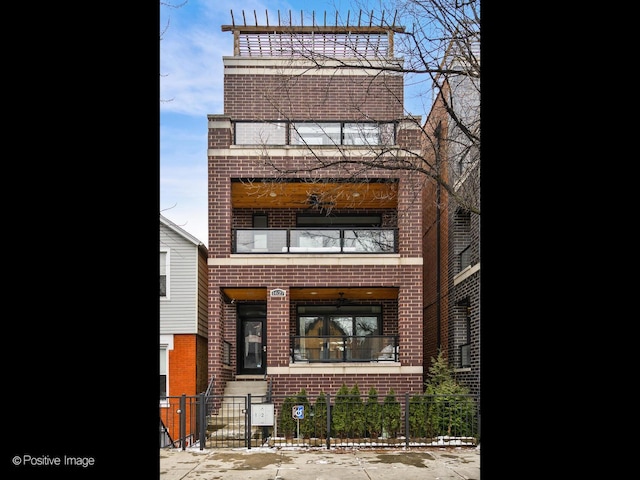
(439, 47)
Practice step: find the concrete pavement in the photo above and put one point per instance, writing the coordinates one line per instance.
(295, 463)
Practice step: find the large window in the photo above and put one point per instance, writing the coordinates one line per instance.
(333, 333)
(315, 134)
(279, 132)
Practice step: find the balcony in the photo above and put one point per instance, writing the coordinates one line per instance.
(316, 240)
(333, 349)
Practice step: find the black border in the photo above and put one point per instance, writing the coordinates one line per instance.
(82, 209)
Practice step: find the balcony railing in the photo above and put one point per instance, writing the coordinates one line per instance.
(356, 348)
(316, 240)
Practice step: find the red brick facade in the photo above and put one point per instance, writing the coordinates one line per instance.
(186, 378)
(273, 94)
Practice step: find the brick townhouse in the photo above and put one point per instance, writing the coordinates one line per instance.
(315, 277)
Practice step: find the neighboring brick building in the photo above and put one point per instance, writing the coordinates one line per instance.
(452, 229)
(315, 279)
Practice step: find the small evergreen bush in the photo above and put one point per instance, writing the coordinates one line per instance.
(391, 414)
(356, 414)
(320, 416)
(449, 410)
(373, 414)
(340, 421)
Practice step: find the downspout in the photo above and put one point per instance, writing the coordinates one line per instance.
(438, 294)
(438, 133)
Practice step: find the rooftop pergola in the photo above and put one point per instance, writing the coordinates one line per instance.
(362, 39)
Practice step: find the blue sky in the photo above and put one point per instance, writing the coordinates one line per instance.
(191, 80)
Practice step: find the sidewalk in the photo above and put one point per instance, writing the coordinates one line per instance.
(296, 463)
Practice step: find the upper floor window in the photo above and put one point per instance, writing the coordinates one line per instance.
(164, 273)
(369, 134)
(304, 220)
(465, 347)
(314, 133)
(261, 133)
(260, 220)
(462, 229)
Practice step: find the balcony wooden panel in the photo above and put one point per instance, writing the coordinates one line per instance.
(316, 293)
(261, 195)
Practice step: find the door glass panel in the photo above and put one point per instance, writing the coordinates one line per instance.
(252, 357)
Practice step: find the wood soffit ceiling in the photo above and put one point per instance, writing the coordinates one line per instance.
(321, 293)
(260, 195)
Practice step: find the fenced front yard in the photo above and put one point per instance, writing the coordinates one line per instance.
(214, 421)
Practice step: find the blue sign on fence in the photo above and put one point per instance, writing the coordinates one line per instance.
(297, 412)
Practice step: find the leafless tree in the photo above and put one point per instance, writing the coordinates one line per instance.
(438, 44)
(165, 27)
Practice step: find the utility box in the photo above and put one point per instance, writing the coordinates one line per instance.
(262, 415)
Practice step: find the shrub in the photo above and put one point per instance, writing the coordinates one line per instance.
(356, 413)
(449, 409)
(392, 414)
(417, 416)
(373, 414)
(340, 421)
(320, 416)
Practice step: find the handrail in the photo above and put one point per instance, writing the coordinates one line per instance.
(210, 386)
(344, 348)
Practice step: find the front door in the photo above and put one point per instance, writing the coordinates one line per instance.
(252, 341)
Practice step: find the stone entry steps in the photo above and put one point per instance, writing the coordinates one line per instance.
(228, 424)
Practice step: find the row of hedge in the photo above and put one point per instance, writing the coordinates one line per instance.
(444, 409)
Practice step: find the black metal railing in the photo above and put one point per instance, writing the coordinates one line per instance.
(355, 348)
(331, 420)
(315, 240)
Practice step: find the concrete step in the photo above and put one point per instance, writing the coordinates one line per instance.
(239, 389)
(229, 422)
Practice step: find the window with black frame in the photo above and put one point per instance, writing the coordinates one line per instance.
(334, 334)
(465, 348)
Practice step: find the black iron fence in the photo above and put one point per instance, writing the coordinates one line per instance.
(218, 421)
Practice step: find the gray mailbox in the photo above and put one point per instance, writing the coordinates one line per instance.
(262, 415)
